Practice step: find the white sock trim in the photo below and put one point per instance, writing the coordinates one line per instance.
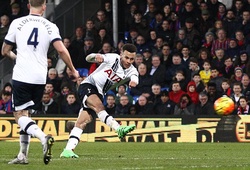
(73, 142)
(108, 120)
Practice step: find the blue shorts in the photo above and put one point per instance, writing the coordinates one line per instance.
(26, 96)
(84, 91)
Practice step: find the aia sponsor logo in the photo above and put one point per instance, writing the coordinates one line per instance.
(112, 75)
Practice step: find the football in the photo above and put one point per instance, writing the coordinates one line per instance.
(224, 106)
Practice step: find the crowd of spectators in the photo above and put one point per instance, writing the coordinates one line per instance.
(189, 53)
(10, 10)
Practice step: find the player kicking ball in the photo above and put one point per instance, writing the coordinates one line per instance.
(114, 69)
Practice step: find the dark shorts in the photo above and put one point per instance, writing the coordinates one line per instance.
(84, 91)
(26, 96)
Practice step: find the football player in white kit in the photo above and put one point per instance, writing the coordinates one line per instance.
(32, 35)
(114, 69)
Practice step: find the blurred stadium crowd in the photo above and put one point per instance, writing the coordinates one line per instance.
(189, 53)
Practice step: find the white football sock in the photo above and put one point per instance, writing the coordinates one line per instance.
(33, 129)
(108, 120)
(24, 145)
(74, 138)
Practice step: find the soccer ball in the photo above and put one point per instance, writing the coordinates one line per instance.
(224, 106)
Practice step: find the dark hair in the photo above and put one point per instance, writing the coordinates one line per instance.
(194, 60)
(214, 68)
(189, 99)
(237, 84)
(129, 47)
(66, 37)
(177, 54)
(203, 49)
(89, 19)
(6, 93)
(221, 4)
(8, 84)
(225, 80)
(227, 57)
(110, 95)
(50, 82)
(196, 74)
(49, 58)
(244, 10)
(132, 108)
(124, 85)
(137, 12)
(71, 93)
(228, 10)
(100, 10)
(207, 61)
(102, 28)
(164, 93)
(186, 46)
(175, 82)
(211, 84)
(179, 71)
(243, 97)
(65, 84)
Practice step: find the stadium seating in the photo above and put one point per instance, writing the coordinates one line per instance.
(83, 72)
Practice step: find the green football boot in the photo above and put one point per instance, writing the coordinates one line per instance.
(123, 130)
(68, 154)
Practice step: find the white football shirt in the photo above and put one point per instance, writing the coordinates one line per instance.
(32, 35)
(110, 73)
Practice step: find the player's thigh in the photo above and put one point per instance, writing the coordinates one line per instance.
(24, 93)
(94, 102)
(89, 96)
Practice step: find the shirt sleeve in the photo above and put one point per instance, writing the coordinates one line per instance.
(109, 57)
(55, 35)
(134, 76)
(10, 38)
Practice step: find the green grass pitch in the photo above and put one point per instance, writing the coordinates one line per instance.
(134, 156)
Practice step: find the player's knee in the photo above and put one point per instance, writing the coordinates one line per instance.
(99, 108)
(77, 124)
(19, 114)
(82, 124)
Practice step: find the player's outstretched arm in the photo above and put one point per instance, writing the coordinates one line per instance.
(64, 54)
(6, 51)
(94, 58)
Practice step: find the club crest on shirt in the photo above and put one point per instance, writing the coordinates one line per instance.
(112, 75)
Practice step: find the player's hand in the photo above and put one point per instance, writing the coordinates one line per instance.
(75, 73)
(99, 58)
(132, 84)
